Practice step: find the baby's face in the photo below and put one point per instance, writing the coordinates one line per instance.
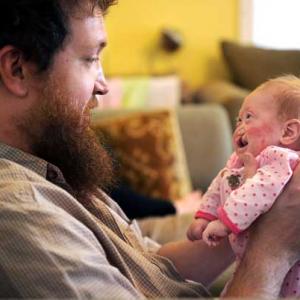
(258, 125)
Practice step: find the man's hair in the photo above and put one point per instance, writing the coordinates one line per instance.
(287, 95)
(39, 27)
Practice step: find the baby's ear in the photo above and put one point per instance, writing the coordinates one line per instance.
(291, 132)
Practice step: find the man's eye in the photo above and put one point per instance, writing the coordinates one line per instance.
(92, 59)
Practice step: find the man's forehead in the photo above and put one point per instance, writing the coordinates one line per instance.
(81, 8)
(88, 29)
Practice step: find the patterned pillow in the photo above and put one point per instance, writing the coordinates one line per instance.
(149, 149)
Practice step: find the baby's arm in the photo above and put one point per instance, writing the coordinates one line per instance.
(258, 193)
(216, 230)
(207, 211)
(210, 202)
(196, 229)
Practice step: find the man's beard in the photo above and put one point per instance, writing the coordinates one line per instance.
(61, 135)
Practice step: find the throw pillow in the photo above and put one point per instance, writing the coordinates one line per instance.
(250, 66)
(149, 150)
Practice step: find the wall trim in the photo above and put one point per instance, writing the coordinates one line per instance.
(246, 20)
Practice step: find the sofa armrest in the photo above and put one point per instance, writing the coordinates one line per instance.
(221, 92)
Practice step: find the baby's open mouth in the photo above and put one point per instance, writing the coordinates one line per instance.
(242, 142)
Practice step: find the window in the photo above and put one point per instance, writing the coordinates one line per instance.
(271, 23)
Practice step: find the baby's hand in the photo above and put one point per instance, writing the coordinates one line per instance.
(250, 165)
(196, 229)
(214, 232)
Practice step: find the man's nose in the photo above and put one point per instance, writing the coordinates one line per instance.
(101, 87)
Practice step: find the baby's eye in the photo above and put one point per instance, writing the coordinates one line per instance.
(248, 116)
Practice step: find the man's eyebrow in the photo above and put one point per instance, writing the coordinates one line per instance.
(96, 45)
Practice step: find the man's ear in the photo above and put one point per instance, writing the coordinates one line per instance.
(291, 132)
(12, 70)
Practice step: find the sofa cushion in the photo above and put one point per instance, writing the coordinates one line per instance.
(250, 66)
(149, 149)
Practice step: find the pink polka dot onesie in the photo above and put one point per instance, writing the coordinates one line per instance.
(237, 202)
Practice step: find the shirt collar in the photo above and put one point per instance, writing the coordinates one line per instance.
(35, 164)
(24, 159)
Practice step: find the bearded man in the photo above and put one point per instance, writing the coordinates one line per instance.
(61, 236)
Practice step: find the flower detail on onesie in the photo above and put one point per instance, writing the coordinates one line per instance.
(234, 181)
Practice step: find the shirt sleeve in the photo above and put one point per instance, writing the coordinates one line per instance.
(47, 253)
(257, 194)
(210, 201)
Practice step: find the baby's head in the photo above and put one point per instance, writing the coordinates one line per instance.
(270, 115)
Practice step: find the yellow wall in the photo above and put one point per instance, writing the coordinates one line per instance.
(133, 28)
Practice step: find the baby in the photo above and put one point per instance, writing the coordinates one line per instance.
(266, 141)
